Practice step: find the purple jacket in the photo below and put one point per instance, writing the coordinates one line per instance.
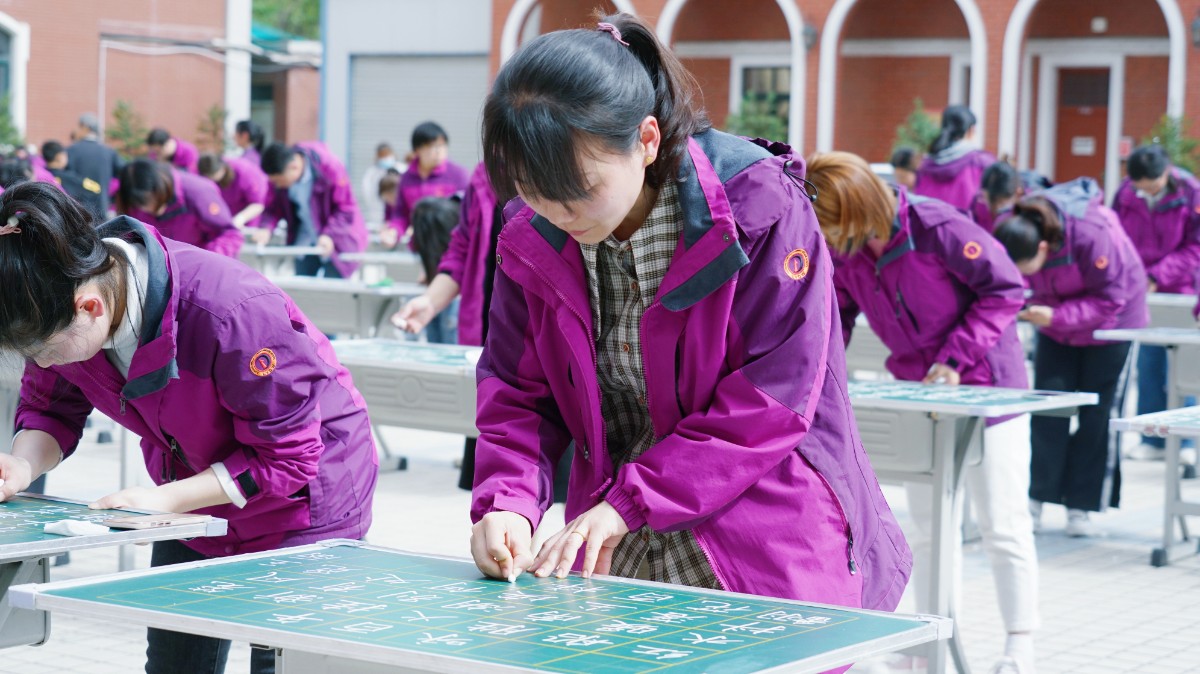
(444, 181)
(252, 155)
(1168, 239)
(758, 455)
(335, 212)
(1096, 281)
(466, 260)
(248, 186)
(197, 215)
(953, 178)
(943, 291)
(42, 174)
(227, 369)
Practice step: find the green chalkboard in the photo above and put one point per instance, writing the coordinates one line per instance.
(413, 603)
(22, 518)
(397, 351)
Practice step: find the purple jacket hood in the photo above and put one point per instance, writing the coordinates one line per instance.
(746, 390)
(955, 181)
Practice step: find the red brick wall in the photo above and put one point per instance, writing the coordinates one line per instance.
(559, 14)
(723, 20)
(713, 77)
(873, 101)
(171, 91)
(1073, 18)
(296, 109)
(1145, 94)
(914, 18)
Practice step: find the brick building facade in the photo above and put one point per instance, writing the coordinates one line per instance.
(171, 60)
(1064, 86)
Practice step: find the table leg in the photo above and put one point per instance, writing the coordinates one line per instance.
(952, 438)
(131, 460)
(1174, 507)
(18, 626)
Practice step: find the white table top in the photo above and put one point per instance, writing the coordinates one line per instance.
(1155, 336)
(347, 286)
(1184, 421)
(967, 401)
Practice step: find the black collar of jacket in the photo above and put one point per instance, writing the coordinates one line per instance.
(158, 297)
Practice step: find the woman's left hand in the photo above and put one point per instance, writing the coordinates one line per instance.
(325, 243)
(601, 528)
(138, 498)
(1037, 314)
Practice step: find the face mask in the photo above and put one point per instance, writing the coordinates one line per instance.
(386, 163)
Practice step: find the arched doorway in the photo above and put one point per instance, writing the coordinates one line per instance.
(940, 46)
(734, 53)
(1084, 81)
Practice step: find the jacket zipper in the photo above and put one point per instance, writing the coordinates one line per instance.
(591, 341)
(901, 304)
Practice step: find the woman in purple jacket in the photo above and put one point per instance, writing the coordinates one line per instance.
(242, 407)
(1085, 276)
(953, 167)
(162, 146)
(430, 173)
(243, 185)
(663, 299)
(183, 206)
(1159, 207)
(249, 136)
(943, 296)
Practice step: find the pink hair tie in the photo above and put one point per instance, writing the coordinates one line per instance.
(13, 225)
(611, 30)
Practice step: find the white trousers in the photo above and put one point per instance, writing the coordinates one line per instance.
(999, 490)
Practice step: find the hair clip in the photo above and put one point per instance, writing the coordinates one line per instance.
(13, 226)
(611, 30)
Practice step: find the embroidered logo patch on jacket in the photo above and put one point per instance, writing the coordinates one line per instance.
(972, 250)
(796, 264)
(263, 363)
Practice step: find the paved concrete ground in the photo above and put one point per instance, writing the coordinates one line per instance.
(1104, 608)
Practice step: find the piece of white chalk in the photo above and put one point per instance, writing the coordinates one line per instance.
(74, 528)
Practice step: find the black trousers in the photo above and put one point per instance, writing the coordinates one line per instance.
(1080, 470)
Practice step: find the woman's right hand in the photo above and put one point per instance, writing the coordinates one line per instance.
(15, 476)
(388, 236)
(500, 544)
(262, 236)
(415, 315)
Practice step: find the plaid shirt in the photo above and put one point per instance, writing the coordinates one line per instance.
(623, 278)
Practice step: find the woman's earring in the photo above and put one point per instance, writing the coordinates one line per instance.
(649, 160)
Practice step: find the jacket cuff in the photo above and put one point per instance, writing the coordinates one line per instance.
(522, 507)
(623, 503)
(238, 467)
(953, 360)
(228, 485)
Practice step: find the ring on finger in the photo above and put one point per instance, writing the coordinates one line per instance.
(581, 536)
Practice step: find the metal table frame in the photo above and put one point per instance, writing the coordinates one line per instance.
(298, 653)
(30, 562)
(1174, 507)
(955, 429)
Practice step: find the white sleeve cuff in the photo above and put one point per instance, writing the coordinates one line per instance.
(227, 484)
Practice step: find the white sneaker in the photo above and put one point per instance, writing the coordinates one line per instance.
(1007, 665)
(1035, 511)
(1079, 525)
(1187, 456)
(1146, 452)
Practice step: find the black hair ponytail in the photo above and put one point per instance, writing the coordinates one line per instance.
(957, 120)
